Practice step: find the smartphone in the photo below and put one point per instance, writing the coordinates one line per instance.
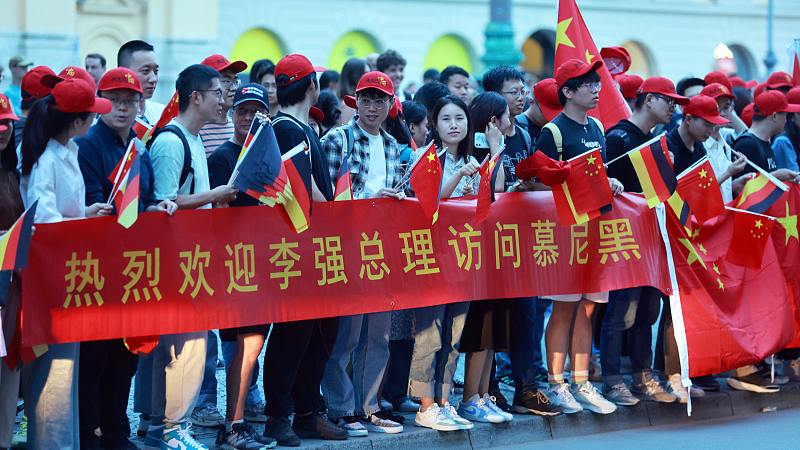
(480, 140)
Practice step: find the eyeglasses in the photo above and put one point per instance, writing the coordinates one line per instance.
(249, 111)
(670, 101)
(229, 84)
(128, 103)
(379, 104)
(517, 94)
(594, 87)
(216, 91)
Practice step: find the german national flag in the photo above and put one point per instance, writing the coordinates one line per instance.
(586, 194)
(655, 174)
(15, 243)
(297, 211)
(758, 195)
(128, 204)
(680, 209)
(344, 185)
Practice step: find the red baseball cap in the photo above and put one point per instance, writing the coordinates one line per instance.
(747, 115)
(220, 63)
(617, 59)
(120, 78)
(371, 80)
(779, 79)
(295, 67)
(716, 76)
(397, 107)
(759, 89)
(704, 107)
(6, 111)
(793, 96)
(67, 73)
(771, 102)
(316, 113)
(574, 68)
(546, 94)
(629, 84)
(715, 90)
(662, 86)
(32, 87)
(739, 82)
(75, 95)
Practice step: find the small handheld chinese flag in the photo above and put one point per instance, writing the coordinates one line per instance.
(749, 240)
(120, 172)
(15, 243)
(701, 190)
(586, 194)
(344, 185)
(758, 195)
(488, 175)
(170, 112)
(142, 129)
(425, 178)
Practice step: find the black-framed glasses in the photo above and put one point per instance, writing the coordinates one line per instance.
(670, 101)
(594, 87)
(229, 84)
(217, 91)
(517, 94)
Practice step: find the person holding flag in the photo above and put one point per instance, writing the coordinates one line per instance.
(578, 90)
(636, 309)
(720, 154)
(51, 175)
(373, 156)
(107, 365)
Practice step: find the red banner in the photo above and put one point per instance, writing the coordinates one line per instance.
(206, 269)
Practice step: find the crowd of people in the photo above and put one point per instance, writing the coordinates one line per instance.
(61, 136)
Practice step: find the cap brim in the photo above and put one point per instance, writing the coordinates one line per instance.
(716, 120)
(549, 113)
(259, 100)
(350, 101)
(750, 84)
(237, 66)
(792, 108)
(51, 80)
(317, 114)
(9, 115)
(101, 106)
(679, 99)
(320, 69)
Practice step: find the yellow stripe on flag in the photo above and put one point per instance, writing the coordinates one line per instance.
(754, 185)
(579, 218)
(646, 183)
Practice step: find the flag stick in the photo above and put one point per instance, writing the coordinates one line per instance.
(635, 149)
(750, 212)
(407, 177)
(690, 168)
(115, 186)
(770, 177)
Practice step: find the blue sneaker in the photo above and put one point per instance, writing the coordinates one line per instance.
(177, 437)
(152, 439)
(476, 410)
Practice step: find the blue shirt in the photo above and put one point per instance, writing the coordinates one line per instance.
(14, 94)
(99, 152)
(785, 154)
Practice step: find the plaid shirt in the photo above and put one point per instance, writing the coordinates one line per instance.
(335, 146)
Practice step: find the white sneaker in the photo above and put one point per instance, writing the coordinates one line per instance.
(490, 402)
(435, 418)
(676, 388)
(476, 410)
(352, 425)
(462, 423)
(586, 394)
(379, 424)
(560, 395)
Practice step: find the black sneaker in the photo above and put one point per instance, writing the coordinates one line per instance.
(386, 414)
(535, 402)
(706, 382)
(281, 430)
(317, 426)
(753, 383)
(500, 400)
(507, 381)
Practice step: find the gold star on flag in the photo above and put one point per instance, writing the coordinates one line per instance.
(695, 233)
(702, 249)
(721, 286)
(590, 159)
(703, 173)
(789, 224)
(431, 156)
(693, 255)
(561, 33)
(759, 224)
(588, 56)
(716, 269)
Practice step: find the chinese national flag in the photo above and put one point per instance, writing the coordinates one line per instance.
(750, 235)
(425, 178)
(700, 189)
(170, 112)
(488, 175)
(796, 70)
(786, 240)
(586, 194)
(142, 130)
(573, 41)
(119, 175)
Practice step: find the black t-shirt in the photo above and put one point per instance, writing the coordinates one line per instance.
(527, 124)
(576, 138)
(684, 157)
(620, 138)
(518, 147)
(291, 132)
(221, 163)
(757, 151)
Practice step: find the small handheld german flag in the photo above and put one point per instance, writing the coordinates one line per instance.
(15, 243)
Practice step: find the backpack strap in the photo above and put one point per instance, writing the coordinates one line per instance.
(187, 154)
(526, 136)
(599, 124)
(556, 137)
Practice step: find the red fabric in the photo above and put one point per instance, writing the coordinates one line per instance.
(796, 70)
(750, 235)
(586, 193)
(425, 179)
(170, 112)
(701, 191)
(612, 107)
(787, 247)
(488, 174)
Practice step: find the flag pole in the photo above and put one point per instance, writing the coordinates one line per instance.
(115, 186)
(635, 149)
(750, 212)
(690, 168)
(770, 177)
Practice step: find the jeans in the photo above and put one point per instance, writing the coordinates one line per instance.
(143, 386)
(433, 362)
(400, 351)
(253, 394)
(635, 310)
(208, 390)
(503, 363)
(527, 328)
(51, 398)
(178, 363)
(366, 337)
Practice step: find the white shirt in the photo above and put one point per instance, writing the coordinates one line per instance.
(56, 181)
(376, 174)
(152, 111)
(719, 155)
(166, 155)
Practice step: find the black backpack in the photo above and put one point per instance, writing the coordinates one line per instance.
(187, 154)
